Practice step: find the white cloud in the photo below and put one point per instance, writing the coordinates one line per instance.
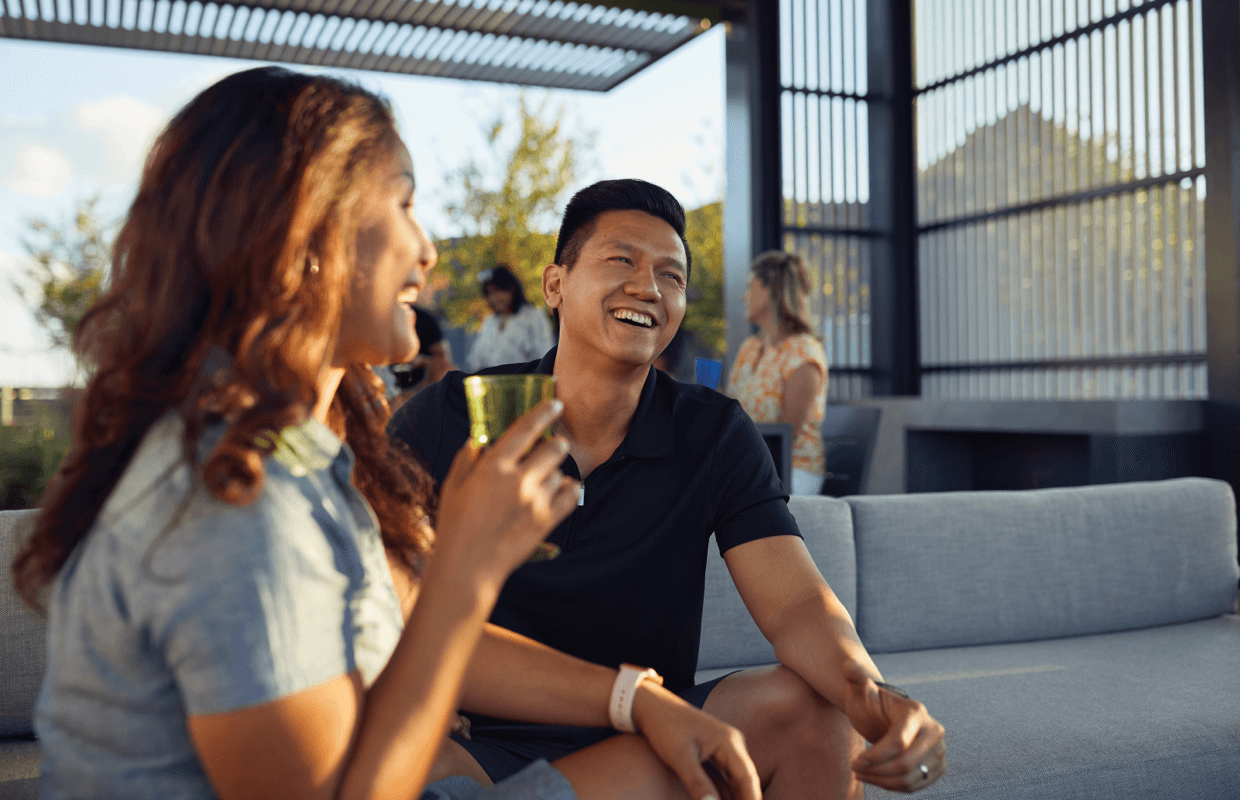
(37, 170)
(26, 356)
(99, 144)
(119, 130)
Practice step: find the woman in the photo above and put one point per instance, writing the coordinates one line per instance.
(226, 580)
(516, 331)
(780, 374)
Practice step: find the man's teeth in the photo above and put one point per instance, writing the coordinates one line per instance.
(634, 317)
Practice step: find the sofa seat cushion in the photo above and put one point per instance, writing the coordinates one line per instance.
(971, 568)
(1145, 714)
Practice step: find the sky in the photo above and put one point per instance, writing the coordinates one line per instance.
(77, 121)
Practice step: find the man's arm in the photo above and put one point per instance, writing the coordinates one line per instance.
(814, 637)
(798, 613)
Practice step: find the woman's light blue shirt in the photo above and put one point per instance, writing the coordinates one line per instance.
(177, 604)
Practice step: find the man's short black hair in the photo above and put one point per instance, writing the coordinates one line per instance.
(625, 194)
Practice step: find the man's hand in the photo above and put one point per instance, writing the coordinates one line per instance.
(685, 737)
(904, 737)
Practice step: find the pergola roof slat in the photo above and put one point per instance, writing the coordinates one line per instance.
(555, 45)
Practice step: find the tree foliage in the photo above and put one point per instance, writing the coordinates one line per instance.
(507, 207)
(67, 267)
(704, 315)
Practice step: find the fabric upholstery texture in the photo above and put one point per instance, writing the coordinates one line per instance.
(22, 638)
(729, 635)
(19, 769)
(1151, 714)
(951, 569)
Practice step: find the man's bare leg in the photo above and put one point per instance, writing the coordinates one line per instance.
(801, 745)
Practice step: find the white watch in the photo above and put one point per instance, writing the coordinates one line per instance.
(620, 709)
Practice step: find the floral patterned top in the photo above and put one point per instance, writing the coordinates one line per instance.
(757, 381)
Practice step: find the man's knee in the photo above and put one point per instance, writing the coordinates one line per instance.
(775, 700)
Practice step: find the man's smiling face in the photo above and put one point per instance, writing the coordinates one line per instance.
(625, 295)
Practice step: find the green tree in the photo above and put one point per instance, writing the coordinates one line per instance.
(67, 267)
(704, 315)
(508, 210)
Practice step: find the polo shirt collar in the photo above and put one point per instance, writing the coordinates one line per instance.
(652, 434)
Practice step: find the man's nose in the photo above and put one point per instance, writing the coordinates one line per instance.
(642, 284)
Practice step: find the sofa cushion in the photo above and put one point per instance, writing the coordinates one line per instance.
(938, 570)
(19, 769)
(22, 636)
(729, 636)
(1148, 714)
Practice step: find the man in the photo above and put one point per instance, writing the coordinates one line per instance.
(664, 465)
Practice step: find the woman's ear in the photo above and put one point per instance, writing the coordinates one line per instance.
(551, 279)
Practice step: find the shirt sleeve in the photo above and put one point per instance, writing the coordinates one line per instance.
(260, 605)
(749, 497)
(804, 349)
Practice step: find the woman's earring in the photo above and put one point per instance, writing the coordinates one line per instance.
(314, 266)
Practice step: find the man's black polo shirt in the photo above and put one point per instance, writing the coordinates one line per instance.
(628, 585)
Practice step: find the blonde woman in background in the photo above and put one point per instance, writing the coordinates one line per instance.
(780, 374)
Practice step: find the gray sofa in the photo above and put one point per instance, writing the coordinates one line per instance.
(1076, 643)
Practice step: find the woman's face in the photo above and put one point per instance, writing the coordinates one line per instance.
(393, 258)
(757, 300)
(500, 300)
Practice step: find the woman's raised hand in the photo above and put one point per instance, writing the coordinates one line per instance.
(497, 504)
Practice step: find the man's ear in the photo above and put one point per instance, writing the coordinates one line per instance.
(551, 277)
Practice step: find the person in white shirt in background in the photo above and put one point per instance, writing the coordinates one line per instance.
(516, 332)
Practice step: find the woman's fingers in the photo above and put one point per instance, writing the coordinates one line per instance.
(462, 465)
(543, 462)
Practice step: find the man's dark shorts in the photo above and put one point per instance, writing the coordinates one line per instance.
(503, 750)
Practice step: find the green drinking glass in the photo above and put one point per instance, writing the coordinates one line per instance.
(497, 401)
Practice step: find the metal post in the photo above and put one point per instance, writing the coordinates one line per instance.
(752, 207)
(1220, 28)
(893, 287)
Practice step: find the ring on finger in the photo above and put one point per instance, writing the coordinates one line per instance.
(925, 773)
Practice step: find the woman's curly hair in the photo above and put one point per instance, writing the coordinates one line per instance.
(238, 250)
